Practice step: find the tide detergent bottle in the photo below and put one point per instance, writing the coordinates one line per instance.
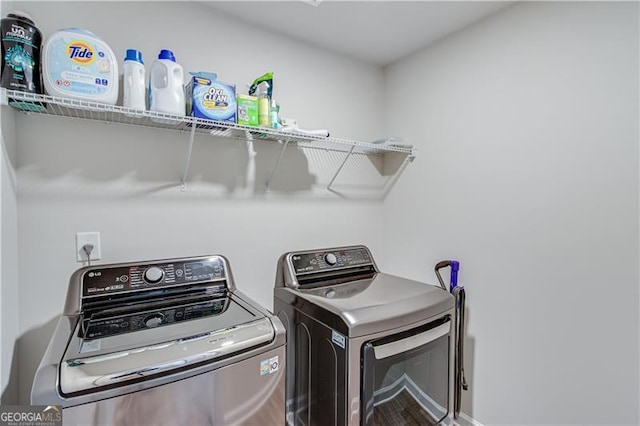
(78, 64)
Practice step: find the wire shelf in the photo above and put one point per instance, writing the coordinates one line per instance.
(73, 108)
(94, 111)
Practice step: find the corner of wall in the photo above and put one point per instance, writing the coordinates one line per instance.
(9, 331)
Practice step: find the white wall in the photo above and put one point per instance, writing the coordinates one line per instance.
(8, 259)
(124, 181)
(9, 331)
(527, 125)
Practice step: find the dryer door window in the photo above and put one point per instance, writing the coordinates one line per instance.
(405, 377)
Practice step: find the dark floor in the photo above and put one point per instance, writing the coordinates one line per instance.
(403, 410)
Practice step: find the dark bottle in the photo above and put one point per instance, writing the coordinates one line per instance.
(21, 45)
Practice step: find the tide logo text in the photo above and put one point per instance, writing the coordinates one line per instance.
(80, 52)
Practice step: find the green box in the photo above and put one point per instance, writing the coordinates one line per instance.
(247, 110)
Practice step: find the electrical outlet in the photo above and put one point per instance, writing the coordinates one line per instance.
(83, 238)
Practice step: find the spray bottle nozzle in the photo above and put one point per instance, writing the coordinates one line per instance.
(263, 89)
(266, 78)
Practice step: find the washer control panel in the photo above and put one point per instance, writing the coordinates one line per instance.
(320, 261)
(108, 280)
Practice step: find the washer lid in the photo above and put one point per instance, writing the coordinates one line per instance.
(367, 306)
(93, 373)
(92, 364)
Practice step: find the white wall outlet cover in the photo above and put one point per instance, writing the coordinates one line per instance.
(83, 238)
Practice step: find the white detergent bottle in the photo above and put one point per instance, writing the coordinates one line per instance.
(166, 87)
(134, 88)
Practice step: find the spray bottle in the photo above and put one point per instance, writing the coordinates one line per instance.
(265, 78)
(264, 107)
(273, 114)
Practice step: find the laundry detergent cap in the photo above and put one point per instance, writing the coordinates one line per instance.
(134, 55)
(166, 54)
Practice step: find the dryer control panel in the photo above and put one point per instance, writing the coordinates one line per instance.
(330, 260)
(99, 281)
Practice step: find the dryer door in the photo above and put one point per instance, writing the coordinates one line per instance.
(406, 377)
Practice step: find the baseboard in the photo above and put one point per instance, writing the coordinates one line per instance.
(464, 420)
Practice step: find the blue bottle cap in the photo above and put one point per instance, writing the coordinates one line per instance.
(134, 55)
(166, 54)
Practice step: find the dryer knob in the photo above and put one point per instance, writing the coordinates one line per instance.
(153, 275)
(330, 258)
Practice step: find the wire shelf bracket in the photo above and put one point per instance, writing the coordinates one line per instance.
(275, 167)
(390, 184)
(341, 167)
(192, 136)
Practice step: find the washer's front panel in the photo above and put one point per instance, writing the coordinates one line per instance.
(251, 392)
